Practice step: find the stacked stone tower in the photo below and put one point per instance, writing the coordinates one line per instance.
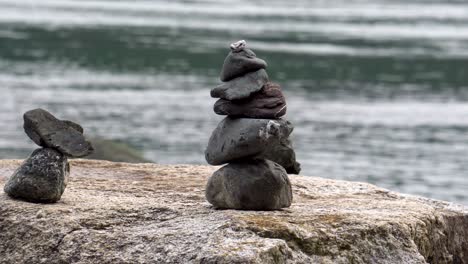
(253, 138)
(43, 177)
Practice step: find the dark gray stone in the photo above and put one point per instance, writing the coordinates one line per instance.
(267, 103)
(250, 185)
(42, 178)
(47, 131)
(241, 87)
(284, 155)
(236, 138)
(240, 63)
(74, 126)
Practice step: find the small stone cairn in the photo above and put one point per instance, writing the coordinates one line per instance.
(253, 139)
(42, 178)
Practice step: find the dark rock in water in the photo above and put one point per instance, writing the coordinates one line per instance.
(250, 185)
(284, 155)
(47, 131)
(240, 63)
(115, 151)
(236, 138)
(241, 87)
(268, 103)
(41, 178)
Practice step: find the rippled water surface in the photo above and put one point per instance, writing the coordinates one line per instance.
(377, 89)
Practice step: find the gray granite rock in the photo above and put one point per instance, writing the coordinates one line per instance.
(47, 131)
(42, 178)
(240, 63)
(267, 103)
(241, 87)
(135, 213)
(236, 138)
(250, 185)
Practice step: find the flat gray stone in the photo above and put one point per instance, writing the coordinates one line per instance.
(240, 63)
(250, 185)
(42, 178)
(74, 125)
(47, 131)
(236, 138)
(268, 103)
(241, 87)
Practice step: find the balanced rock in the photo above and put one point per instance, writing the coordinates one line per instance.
(74, 125)
(42, 178)
(268, 103)
(49, 132)
(241, 87)
(250, 185)
(240, 62)
(236, 138)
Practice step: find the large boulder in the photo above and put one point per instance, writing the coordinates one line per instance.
(150, 213)
(237, 138)
(239, 63)
(250, 185)
(42, 178)
(241, 87)
(267, 103)
(49, 132)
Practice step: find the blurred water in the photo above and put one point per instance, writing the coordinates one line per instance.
(378, 89)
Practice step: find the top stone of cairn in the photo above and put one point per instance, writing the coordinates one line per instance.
(240, 61)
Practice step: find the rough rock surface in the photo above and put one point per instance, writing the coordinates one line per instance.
(42, 178)
(268, 103)
(148, 213)
(241, 87)
(239, 63)
(250, 185)
(49, 132)
(236, 138)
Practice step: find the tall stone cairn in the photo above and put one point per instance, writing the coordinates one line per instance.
(253, 138)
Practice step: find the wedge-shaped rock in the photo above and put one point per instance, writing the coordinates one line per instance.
(237, 138)
(284, 155)
(47, 131)
(250, 185)
(42, 178)
(241, 87)
(240, 63)
(268, 103)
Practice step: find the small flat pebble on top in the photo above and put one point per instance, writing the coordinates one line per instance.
(240, 63)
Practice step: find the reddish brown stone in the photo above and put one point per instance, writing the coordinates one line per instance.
(268, 103)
